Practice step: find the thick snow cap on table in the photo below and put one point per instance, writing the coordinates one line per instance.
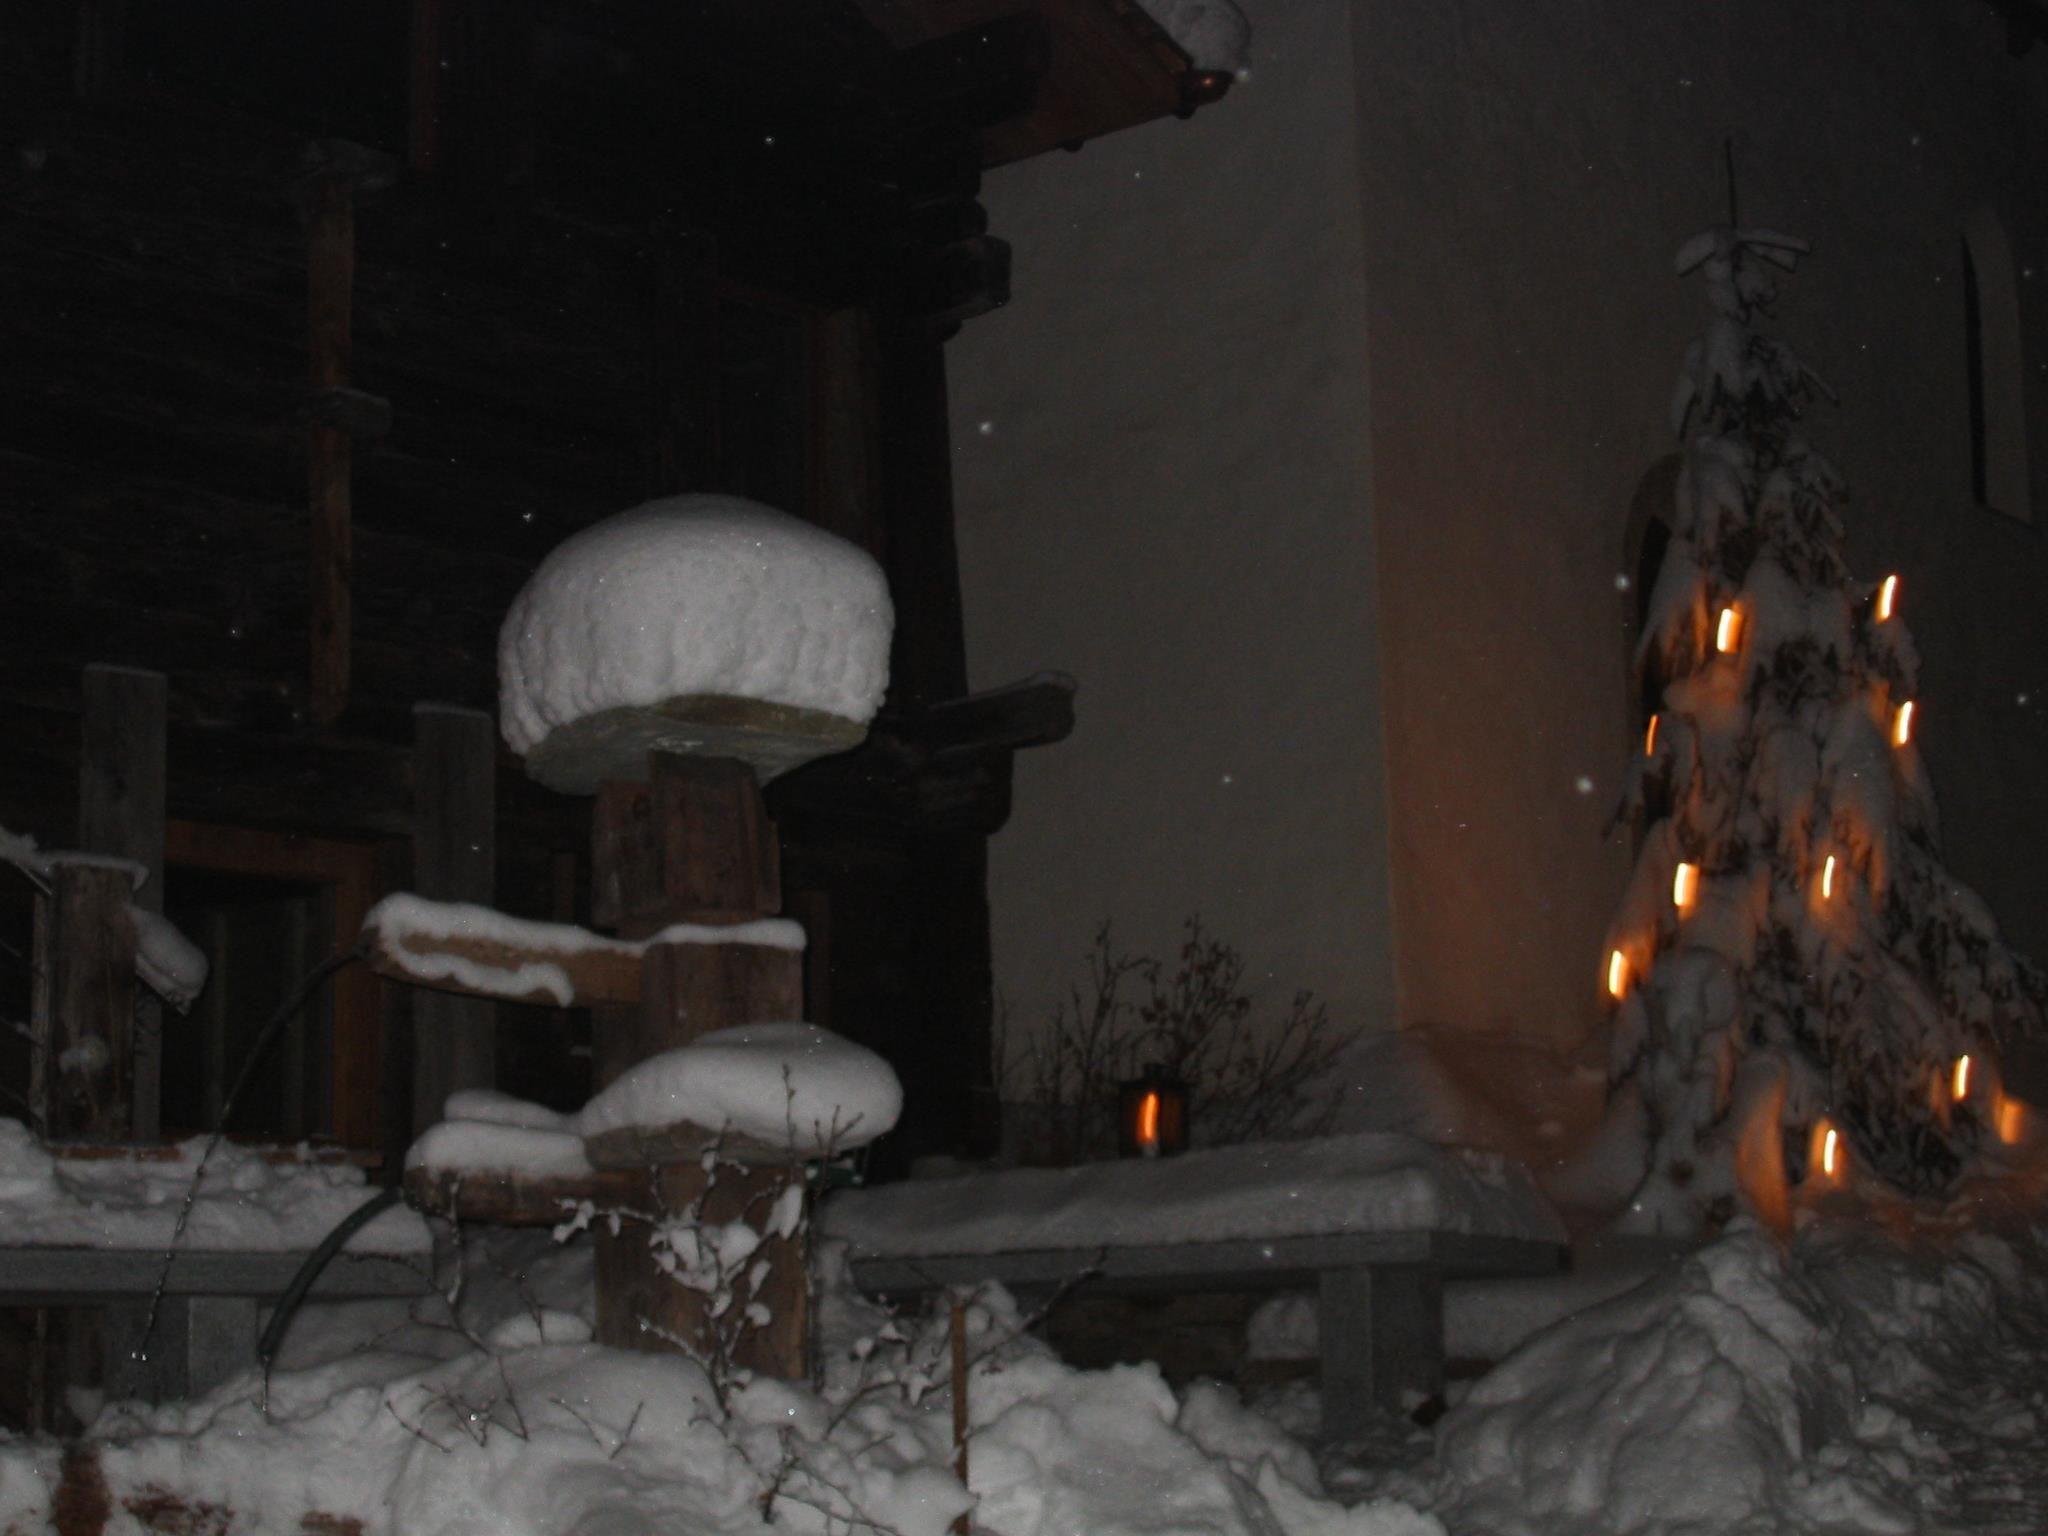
(694, 595)
(778, 1085)
(1367, 1182)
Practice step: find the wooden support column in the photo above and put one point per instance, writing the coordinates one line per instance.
(121, 814)
(82, 1012)
(1381, 1331)
(330, 300)
(454, 859)
(693, 845)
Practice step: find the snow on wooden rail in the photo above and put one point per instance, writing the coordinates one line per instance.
(460, 947)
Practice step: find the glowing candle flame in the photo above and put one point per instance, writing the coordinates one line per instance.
(1960, 1084)
(1650, 737)
(1685, 885)
(1148, 1122)
(1617, 974)
(1887, 595)
(1830, 1152)
(1728, 633)
(1902, 724)
(2012, 1120)
(1827, 879)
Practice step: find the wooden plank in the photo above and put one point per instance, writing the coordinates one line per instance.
(614, 744)
(687, 989)
(121, 791)
(607, 976)
(330, 288)
(1243, 1263)
(1381, 1338)
(56, 1276)
(694, 846)
(509, 1198)
(89, 1060)
(454, 859)
(640, 1306)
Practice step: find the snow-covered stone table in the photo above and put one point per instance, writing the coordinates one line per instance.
(1376, 1222)
(91, 1231)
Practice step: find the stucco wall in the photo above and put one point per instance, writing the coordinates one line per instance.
(1529, 171)
(1182, 497)
(1169, 502)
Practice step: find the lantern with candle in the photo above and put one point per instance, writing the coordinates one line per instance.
(1152, 1114)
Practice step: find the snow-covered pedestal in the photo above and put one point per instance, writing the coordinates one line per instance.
(669, 660)
(704, 625)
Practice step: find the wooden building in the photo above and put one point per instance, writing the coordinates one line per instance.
(320, 324)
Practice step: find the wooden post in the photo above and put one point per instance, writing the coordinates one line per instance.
(1381, 1333)
(123, 729)
(330, 293)
(693, 845)
(454, 859)
(84, 1013)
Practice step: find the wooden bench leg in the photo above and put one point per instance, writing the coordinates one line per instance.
(1382, 1332)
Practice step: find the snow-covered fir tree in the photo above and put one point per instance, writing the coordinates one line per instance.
(1792, 955)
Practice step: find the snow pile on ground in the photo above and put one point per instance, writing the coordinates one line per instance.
(780, 1085)
(1362, 1183)
(1863, 1382)
(522, 1427)
(694, 595)
(244, 1201)
(1881, 1376)
(1214, 34)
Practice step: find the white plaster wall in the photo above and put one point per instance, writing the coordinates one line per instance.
(1170, 503)
(1183, 499)
(1529, 170)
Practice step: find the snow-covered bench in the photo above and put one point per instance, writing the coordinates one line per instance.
(1376, 1223)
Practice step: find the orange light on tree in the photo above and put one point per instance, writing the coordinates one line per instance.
(1728, 632)
(1827, 1153)
(1827, 879)
(1650, 737)
(1685, 886)
(1902, 723)
(1959, 1080)
(1617, 975)
(1887, 597)
(2011, 1120)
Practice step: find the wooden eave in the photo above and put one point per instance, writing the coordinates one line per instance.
(1109, 66)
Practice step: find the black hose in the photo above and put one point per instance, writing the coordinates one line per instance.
(309, 1271)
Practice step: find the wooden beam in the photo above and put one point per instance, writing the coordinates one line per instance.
(510, 1198)
(601, 974)
(454, 859)
(330, 293)
(121, 790)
